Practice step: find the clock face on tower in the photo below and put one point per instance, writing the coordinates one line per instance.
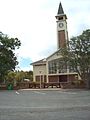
(61, 25)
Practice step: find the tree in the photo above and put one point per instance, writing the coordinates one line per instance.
(78, 55)
(29, 75)
(19, 76)
(8, 59)
(22, 75)
(10, 78)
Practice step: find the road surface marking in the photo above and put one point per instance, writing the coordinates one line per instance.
(17, 93)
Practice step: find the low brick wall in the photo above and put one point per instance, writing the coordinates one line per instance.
(3, 87)
(69, 85)
(34, 85)
(37, 85)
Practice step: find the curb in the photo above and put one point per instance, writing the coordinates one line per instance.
(40, 89)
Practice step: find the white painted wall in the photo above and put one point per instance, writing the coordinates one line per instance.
(39, 70)
(54, 56)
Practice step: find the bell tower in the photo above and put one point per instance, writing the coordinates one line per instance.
(62, 33)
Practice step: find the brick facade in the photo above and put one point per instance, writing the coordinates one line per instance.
(61, 39)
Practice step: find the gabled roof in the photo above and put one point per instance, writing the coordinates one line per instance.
(58, 52)
(39, 62)
(43, 61)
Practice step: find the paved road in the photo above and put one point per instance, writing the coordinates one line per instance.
(45, 105)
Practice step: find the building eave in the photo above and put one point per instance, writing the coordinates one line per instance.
(68, 73)
(39, 62)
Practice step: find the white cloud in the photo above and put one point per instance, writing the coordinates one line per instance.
(34, 23)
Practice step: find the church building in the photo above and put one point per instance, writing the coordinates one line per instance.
(52, 68)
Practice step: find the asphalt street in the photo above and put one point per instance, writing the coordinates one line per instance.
(45, 105)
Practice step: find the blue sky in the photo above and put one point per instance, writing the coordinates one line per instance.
(34, 23)
(25, 63)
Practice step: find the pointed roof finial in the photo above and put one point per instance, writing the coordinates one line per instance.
(60, 9)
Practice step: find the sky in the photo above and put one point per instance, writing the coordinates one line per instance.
(33, 22)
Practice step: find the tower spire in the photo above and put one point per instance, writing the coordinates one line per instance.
(60, 12)
(61, 28)
(60, 9)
